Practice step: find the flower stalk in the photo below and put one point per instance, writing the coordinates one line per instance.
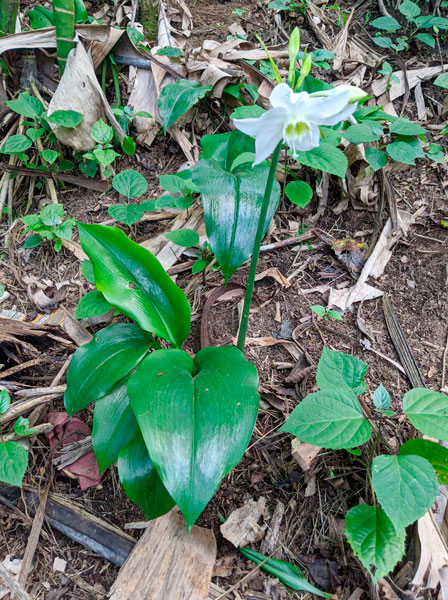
(256, 251)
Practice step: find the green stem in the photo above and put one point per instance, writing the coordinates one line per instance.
(256, 250)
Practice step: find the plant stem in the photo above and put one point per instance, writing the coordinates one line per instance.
(256, 250)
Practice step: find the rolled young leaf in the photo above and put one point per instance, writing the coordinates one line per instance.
(134, 281)
(64, 18)
(8, 16)
(196, 418)
(97, 366)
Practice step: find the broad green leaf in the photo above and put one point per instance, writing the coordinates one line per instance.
(332, 418)
(325, 157)
(5, 399)
(176, 98)
(34, 134)
(114, 425)
(376, 158)
(198, 266)
(87, 270)
(169, 51)
(436, 454)
(382, 42)
(135, 35)
(105, 157)
(93, 304)
(363, 132)
(373, 539)
(130, 184)
(247, 112)
(13, 463)
(232, 203)
(405, 149)
(406, 127)
(64, 230)
(66, 118)
(319, 310)
(409, 9)
(128, 145)
(442, 80)
(285, 572)
(427, 21)
(406, 487)
(386, 24)
(49, 155)
(140, 480)
(427, 411)
(381, 397)
(226, 148)
(186, 238)
(126, 213)
(336, 369)
(101, 132)
(16, 144)
(179, 183)
(52, 214)
(299, 193)
(33, 241)
(40, 17)
(134, 281)
(427, 39)
(97, 366)
(26, 105)
(196, 418)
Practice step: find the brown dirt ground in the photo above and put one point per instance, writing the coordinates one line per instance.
(311, 533)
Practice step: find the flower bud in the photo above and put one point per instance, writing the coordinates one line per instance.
(293, 50)
(356, 94)
(306, 66)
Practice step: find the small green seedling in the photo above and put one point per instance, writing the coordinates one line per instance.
(326, 313)
(181, 189)
(103, 154)
(130, 184)
(387, 70)
(188, 238)
(48, 225)
(13, 456)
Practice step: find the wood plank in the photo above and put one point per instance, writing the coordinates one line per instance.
(167, 563)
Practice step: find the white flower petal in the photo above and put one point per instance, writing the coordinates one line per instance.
(308, 140)
(248, 126)
(339, 117)
(330, 106)
(281, 96)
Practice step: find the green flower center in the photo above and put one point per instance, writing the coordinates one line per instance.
(296, 129)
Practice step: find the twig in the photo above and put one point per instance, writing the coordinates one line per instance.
(20, 408)
(445, 355)
(13, 585)
(382, 8)
(25, 365)
(42, 428)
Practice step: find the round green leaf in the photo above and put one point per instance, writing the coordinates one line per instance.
(49, 155)
(319, 310)
(126, 213)
(299, 193)
(427, 411)
(406, 487)
(409, 9)
(332, 418)
(436, 454)
(196, 418)
(376, 158)
(97, 366)
(186, 238)
(13, 463)
(93, 304)
(16, 144)
(114, 425)
(336, 369)
(101, 133)
(130, 183)
(52, 214)
(373, 539)
(140, 480)
(134, 281)
(65, 118)
(405, 149)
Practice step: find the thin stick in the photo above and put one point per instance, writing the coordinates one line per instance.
(445, 355)
(256, 250)
(13, 585)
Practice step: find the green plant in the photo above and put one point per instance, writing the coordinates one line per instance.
(13, 456)
(403, 486)
(8, 15)
(301, 5)
(103, 153)
(177, 98)
(415, 24)
(130, 184)
(41, 17)
(48, 225)
(326, 313)
(64, 20)
(181, 190)
(188, 238)
(387, 70)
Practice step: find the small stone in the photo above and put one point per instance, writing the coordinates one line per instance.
(411, 284)
(404, 260)
(59, 564)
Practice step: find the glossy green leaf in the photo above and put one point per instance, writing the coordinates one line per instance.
(332, 418)
(405, 149)
(363, 132)
(65, 118)
(325, 157)
(381, 397)
(114, 425)
(49, 156)
(97, 366)
(226, 148)
(285, 572)
(176, 98)
(336, 369)
(406, 127)
(16, 144)
(427, 39)
(126, 213)
(133, 280)
(196, 418)
(247, 112)
(373, 539)
(299, 193)
(436, 454)
(386, 24)
(186, 238)
(40, 17)
(128, 145)
(13, 463)
(232, 203)
(140, 480)
(33, 241)
(93, 304)
(406, 487)
(101, 132)
(376, 158)
(26, 105)
(427, 411)
(130, 184)
(5, 400)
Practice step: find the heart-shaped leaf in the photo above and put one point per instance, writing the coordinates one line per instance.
(97, 366)
(427, 411)
(126, 213)
(373, 539)
(436, 454)
(93, 304)
(196, 418)
(65, 118)
(406, 487)
(130, 183)
(13, 463)
(332, 418)
(337, 369)
(134, 281)
(140, 480)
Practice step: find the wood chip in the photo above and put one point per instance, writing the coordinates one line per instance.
(241, 528)
(304, 454)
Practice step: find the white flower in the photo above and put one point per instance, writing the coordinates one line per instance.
(295, 118)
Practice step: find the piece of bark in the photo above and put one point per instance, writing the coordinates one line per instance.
(167, 563)
(270, 542)
(304, 454)
(241, 528)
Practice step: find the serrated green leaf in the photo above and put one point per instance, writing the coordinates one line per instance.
(247, 112)
(196, 418)
(406, 127)
(126, 213)
(332, 418)
(97, 366)
(5, 398)
(50, 155)
(26, 105)
(358, 134)
(406, 487)
(13, 463)
(52, 214)
(16, 144)
(336, 369)
(299, 193)
(134, 281)
(405, 149)
(325, 157)
(186, 238)
(376, 158)
(130, 184)
(436, 454)
(101, 133)
(176, 98)
(319, 310)
(65, 118)
(427, 411)
(93, 304)
(373, 539)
